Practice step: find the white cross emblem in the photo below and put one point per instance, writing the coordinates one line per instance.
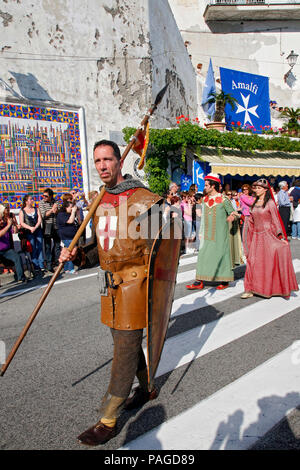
(246, 110)
(107, 231)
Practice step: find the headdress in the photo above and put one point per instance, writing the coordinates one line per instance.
(262, 182)
(213, 177)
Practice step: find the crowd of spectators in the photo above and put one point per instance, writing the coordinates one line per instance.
(187, 205)
(42, 229)
(286, 198)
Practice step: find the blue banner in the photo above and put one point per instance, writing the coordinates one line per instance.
(252, 109)
(198, 175)
(186, 181)
(209, 88)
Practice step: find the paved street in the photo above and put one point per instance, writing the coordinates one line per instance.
(229, 376)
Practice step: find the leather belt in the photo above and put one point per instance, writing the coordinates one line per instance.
(115, 279)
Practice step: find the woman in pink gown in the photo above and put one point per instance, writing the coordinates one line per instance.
(269, 269)
(246, 201)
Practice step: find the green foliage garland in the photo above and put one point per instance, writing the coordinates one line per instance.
(165, 143)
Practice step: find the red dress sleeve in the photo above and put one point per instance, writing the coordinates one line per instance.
(248, 233)
(276, 224)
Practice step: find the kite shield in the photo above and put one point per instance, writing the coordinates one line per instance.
(163, 263)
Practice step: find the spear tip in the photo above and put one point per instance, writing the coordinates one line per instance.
(160, 95)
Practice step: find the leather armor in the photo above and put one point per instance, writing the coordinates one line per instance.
(122, 226)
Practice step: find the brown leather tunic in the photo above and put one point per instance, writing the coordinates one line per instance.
(122, 222)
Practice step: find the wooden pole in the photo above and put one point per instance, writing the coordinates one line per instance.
(92, 209)
(52, 281)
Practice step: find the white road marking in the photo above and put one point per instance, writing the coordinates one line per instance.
(186, 276)
(186, 261)
(185, 347)
(43, 286)
(211, 296)
(236, 416)
(207, 296)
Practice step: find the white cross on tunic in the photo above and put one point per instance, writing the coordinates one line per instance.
(107, 231)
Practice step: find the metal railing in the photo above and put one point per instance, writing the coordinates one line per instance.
(251, 2)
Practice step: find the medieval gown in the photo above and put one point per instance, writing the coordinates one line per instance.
(269, 269)
(214, 261)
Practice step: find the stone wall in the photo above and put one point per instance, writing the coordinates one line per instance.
(107, 57)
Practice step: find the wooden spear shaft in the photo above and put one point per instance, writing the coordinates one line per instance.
(92, 209)
(78, 234)
(76, 238)
(51, 282)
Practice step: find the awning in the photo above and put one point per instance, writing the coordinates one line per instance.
(238, 162)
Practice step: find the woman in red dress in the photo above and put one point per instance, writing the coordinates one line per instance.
(269, 268)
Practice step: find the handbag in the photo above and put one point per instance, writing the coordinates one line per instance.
(22, 233)
(48, 229)
(23, 239)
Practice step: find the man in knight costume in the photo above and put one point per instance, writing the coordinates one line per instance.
(124, 259)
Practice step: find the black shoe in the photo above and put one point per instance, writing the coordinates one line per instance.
(96, 435)
(21, 281)
(139, 398)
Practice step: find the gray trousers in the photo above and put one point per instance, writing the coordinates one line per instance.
(128, 362)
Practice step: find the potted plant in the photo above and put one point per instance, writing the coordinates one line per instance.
(220, 99)
(292, 127)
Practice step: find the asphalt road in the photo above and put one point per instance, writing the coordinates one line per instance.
(52, 390)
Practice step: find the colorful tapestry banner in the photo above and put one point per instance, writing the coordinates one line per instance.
(39, 148)
(252, 109)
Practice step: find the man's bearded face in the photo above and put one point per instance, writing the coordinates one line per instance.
(207, 188)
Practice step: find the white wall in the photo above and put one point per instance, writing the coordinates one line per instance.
(258, 47)
(109, 57)
(171, 63)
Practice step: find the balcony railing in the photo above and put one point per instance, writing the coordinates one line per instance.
(252, 2)
(236, 10)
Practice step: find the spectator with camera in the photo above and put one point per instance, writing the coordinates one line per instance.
(81, 203)
(67, 228)
(49, 209)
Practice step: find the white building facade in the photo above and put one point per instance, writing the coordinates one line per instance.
(106, 59)
(253, 36)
